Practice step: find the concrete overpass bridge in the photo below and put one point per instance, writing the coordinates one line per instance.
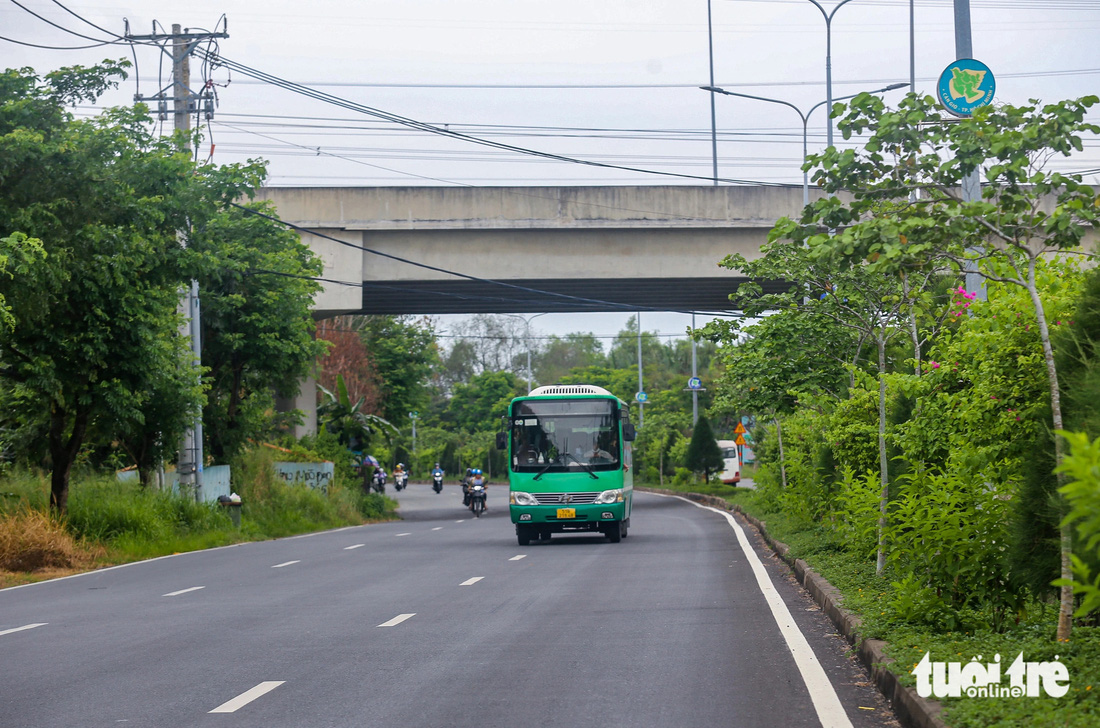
(647, 247)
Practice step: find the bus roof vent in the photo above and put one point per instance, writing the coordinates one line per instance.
(569, 389)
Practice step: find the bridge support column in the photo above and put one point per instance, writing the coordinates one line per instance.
(306, 402)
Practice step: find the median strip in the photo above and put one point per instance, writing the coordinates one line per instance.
(285, 563)
(232, 706)
(397, 620)
(20, 629)
(183, 591)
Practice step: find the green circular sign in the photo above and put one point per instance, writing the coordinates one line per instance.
(966, 85)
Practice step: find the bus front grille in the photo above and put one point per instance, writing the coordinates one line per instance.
(560, 499)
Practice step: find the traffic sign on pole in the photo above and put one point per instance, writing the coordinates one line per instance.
(740, 429)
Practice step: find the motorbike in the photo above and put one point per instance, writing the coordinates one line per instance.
(437, 482)
(379, 481)
(477, 496)
(400, 480)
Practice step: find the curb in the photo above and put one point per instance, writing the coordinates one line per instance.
(911, 709)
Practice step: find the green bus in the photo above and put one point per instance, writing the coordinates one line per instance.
(569, 462)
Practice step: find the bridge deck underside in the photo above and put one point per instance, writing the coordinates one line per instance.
(552, 294)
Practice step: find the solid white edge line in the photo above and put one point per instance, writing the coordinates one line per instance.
(397, 620)
(182, 591)
(25, 626)
(826, 702)
(354, 546)
(285, 563)
(232, 706)
(517, 558)
(471, 582)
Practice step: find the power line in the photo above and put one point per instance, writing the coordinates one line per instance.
(422, 126)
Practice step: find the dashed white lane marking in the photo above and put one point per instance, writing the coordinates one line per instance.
(517, 558)
(826, 702)
(25, 626)
(461, 520)
(285, 563)
(232, 706)
(182, 591)
(472, 581)
(397, 620)
(354, 546)
(438, 528)
(405, 534)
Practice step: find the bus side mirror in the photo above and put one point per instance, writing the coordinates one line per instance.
(628, 431)
(502, 440)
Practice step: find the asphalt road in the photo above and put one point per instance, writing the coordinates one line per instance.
(438, 620)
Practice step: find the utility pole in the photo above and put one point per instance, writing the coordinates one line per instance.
(414, 415)
(972, 183)
(184, 103)
(641, 404)
(694, 374)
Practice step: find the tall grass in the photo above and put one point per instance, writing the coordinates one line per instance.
(126, 522)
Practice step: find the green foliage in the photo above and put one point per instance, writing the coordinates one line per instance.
(703, 454)
(403, 351)
(258, 332)
(352, 427)
(1082, 493)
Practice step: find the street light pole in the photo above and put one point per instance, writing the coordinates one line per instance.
(527, 341)
(713, 121)
(805, 117)
(829, 62)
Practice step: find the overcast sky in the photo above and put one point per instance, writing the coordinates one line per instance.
(613, 81)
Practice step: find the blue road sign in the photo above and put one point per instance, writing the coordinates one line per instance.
(641, 396)
(695, 383)
(966, 85)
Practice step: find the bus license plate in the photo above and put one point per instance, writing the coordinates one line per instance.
(567, 513)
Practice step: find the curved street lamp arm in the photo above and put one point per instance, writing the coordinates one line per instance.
(716, 89)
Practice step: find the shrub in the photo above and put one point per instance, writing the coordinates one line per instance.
(31, 540)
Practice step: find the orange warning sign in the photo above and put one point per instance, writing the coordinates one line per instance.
(740, 429)
(740, 440)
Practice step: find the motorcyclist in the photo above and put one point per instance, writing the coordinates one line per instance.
(466, 486)
(437, 472)
(478, 478)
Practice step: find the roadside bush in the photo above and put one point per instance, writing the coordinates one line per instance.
(856, 511)
(1082, 493)
(950, 534)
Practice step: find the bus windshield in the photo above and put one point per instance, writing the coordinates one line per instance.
(563, 435)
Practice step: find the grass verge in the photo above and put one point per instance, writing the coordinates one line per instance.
(868, 596)
(111, 522)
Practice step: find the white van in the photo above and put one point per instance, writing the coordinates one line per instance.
(731, 467)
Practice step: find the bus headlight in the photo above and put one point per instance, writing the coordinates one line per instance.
(519, 498)
(610, 496)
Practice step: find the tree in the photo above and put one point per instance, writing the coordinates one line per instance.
(907, 213)
(403, 350)
(703, 454)
(347, 358)
(95, 319)
(346, 420)
(258, 332)
(561, 354)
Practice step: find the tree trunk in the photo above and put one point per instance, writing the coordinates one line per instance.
(782, 461)
(63, 453)
(883, 463)
(914, 334)
(1065, 606)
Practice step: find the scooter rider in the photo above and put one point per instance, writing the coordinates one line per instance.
(477, 478)
(437, 472)
(466, 486)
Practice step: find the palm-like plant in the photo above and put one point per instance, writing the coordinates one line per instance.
(346, 420)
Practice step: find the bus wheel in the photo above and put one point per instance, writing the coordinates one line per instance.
(523, 534)
(614, 532)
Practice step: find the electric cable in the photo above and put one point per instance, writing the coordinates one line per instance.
(423, 126)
